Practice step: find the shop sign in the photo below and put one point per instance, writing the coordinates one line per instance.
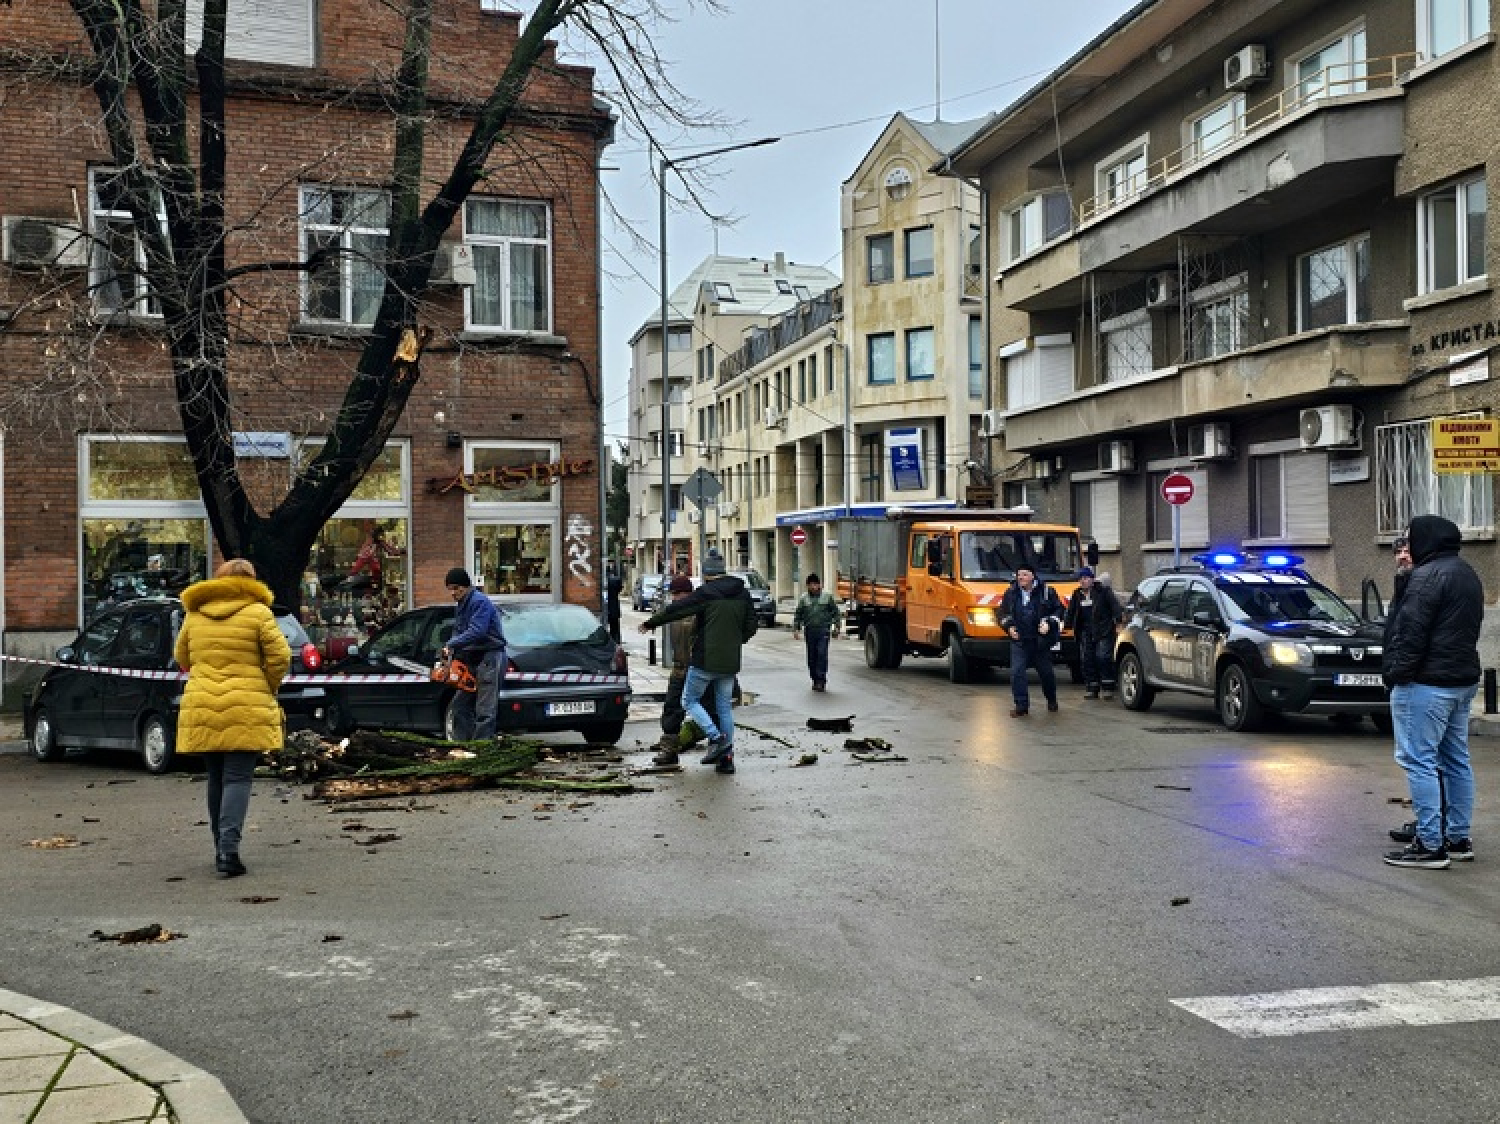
(1465, 445)
(1482, 332)
(266, 445)
(905, 449)
(513, 475)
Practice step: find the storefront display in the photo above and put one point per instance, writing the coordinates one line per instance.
(514, 517)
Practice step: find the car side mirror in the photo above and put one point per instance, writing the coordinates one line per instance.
(1091, 552)
(67, 655)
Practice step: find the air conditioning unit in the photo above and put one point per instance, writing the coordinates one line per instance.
(991, 423)
(1246, 67)
(43, 244)
(1325, 427)
(728, 509)
(1209, 442)
(775, 419)
(454, 265)
(695, 516)
(1116, 456)
(1161, 289)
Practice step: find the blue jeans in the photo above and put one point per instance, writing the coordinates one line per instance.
(229, 779)
(474, 712)
(1096, 661)
(817, 654)
(1432, 736)
(1035, 652)
(700, 681)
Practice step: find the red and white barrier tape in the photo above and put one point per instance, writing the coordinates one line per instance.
(324, 680)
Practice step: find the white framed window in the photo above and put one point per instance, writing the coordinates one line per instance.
(679, 438)
(920, 261)
(880, 258)
(1333, 285)
(279, 31)
(973, 279)
(976, 357)
(349, 225)
(511, 240)
(1127, 345)
(1332, 69)
(724, 291)
(1450, 235)
(1289, 498)
(1036, 222)
(117, 266)
(1216, 127)
(921, 354)
(1406, 485)
(1444, 25)
(1096, 511)
(1219, 318)
(1122, 174)
(1193, 529)
(679, 339)
(882, 358)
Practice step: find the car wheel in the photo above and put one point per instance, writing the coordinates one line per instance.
(156, 745)
(1135, 692)
(603, 733)
(450, 719)
(960, 669)
(1383, 723)
(1239, 709)
(44, 745)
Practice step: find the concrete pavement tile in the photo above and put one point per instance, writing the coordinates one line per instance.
(130, 1101)
(28, 1042)
(84, 1069)
(16, 1108)
(19, 1075)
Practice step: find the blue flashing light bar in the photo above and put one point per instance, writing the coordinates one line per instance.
(1281, 560)
(1219, 559)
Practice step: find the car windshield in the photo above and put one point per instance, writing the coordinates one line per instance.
(992, 556)
(536, 626)
(751, 578)
(1283, 598)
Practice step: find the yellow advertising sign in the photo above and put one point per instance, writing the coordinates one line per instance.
(1465, 445)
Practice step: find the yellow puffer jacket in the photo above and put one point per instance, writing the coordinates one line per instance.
(235, 657)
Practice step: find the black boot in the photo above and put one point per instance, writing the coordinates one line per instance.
(229, 865)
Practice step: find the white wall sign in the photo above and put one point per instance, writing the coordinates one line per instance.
(277, 445)
(1348, 470)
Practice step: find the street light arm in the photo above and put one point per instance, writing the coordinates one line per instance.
(673, 161)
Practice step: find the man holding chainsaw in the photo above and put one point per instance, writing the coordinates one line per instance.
(478, 641)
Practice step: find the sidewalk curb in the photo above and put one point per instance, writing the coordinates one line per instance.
(194, 1096)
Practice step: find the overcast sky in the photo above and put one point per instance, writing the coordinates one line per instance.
(825, 76)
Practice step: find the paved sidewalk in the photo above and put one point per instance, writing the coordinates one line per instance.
(60, 1067)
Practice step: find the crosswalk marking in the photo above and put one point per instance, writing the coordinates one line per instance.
(1310, 1010)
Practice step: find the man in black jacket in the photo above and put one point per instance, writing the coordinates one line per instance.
(1093, 613)
(1031, 614)
(1431, 665)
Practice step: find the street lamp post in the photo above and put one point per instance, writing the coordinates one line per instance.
(667, 164)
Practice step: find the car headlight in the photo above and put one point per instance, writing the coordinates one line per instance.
(984, 618)
(1287, 653)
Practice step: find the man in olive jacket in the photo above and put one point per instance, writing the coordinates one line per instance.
(725, 622)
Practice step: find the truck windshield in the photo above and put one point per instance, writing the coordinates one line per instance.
(992, 556)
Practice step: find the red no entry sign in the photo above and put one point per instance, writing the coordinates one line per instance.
(799, 536)
(1177, 488)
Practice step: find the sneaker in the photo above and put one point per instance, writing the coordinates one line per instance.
(1419, 856)
(665, 757)
(1460, 850)
(1052, 704)
(1405, 833)
(717, 748)
(726, 764)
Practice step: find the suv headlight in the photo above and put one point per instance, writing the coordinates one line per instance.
(982, 617)
(1287, 653)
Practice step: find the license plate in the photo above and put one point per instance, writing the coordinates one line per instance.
(555, 709)
(1362, 680)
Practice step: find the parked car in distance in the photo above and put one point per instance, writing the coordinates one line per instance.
(1254, 636)
(760, 593)
(72, 708)
(539, 637)
(644, 593)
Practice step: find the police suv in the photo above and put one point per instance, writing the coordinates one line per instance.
(1254, 635)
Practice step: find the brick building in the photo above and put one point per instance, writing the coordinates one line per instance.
(496, 462)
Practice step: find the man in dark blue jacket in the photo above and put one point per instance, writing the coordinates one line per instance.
(1431, 665)
(479, 641)
(1031, 614)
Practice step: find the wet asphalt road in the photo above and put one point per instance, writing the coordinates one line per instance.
(983, 932)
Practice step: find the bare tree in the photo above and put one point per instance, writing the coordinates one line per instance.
(163, 111)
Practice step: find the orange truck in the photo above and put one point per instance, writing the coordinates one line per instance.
(929, 583)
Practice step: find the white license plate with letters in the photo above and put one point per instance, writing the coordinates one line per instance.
(1361, 679)
(587, 707)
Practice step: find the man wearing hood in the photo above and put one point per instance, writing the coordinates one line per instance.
(1431, 665)
(725, 622)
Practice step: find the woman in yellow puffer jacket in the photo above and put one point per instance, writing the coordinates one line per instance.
(235, 657)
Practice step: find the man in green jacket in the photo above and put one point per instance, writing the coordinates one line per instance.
(817, 616)
(725, 621)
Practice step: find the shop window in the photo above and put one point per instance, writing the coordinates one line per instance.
(514, 558)
(515, 531)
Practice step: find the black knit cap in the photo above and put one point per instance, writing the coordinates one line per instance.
(458, 576)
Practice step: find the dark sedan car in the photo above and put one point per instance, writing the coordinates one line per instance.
(546, 639)
(73, 708)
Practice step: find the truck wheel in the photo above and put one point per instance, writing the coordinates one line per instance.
(893, 646)
(875, 645)
(960, 668)
(1135, 692)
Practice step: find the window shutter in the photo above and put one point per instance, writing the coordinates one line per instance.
(1056, 372)
(1106, 514)
(1305, 494)
(1195, 511)
(277, 31)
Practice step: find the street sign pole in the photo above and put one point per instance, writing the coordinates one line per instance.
(1176, 535)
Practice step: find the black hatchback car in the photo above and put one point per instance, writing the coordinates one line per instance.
(565, 640)
(1256, 637)
(75, 708)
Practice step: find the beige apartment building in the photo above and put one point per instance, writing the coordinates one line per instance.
(1248, 241)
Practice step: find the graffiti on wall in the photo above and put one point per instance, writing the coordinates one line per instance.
(579, 534)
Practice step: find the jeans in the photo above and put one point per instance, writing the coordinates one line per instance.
(1431, 725)
(1026, 653)
(229, 779)
(700, 681)
(1096, 659)
(817, 654)
(474, 711)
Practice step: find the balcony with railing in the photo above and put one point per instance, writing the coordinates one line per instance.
(797, 324)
